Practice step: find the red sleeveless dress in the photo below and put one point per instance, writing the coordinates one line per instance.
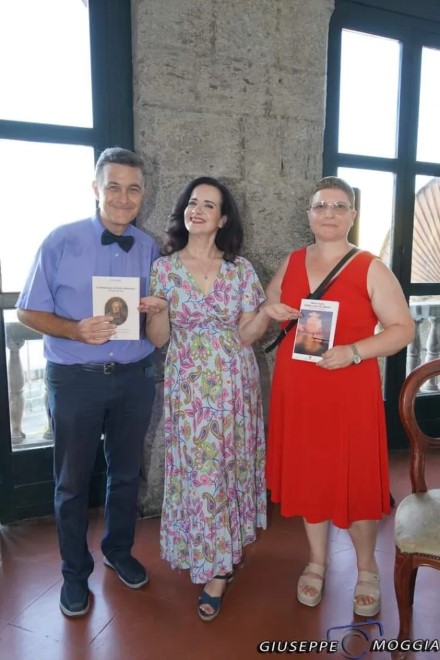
(327, 451)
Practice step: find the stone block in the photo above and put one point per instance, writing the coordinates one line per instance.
(245, 29)
(294, 93)
(193, 142)
(263, 149)
(282, 147)
(168, 80)
(301, 149)
(233, 86)
(302, 35)
(186, 24)
(202, 84)
(275, 223)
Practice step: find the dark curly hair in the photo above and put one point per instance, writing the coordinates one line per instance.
(228, 238)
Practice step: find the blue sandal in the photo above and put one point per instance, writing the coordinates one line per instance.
(213, 601)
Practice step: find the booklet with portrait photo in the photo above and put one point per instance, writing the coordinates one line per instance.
(118, 297)
(315, 330)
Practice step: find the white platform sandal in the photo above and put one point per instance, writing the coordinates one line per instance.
(368, 585)
(309, 579)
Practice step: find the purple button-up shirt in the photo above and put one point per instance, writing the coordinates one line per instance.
(60, 282)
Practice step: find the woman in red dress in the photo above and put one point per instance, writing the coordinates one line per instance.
(327, 453)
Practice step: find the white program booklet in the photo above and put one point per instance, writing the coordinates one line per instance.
(315, 330)
(118, 297)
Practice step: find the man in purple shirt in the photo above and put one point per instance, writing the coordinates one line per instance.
(95, 386)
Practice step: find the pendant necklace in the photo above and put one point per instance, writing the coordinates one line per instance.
(205, 273)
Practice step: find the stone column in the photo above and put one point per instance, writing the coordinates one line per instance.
(16, 335)
(232, 89)
(413, 355)
(16, 388)
(432, 347)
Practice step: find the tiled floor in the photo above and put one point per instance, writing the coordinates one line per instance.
(160, 621)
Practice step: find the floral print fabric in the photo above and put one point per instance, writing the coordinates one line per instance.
(215, 491)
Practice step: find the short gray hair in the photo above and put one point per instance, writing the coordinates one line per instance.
(118, 156)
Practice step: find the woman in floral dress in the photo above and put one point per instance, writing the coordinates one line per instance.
(210, 300)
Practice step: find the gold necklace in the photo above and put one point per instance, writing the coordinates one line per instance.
(197, 260)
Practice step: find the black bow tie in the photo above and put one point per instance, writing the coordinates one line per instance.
(125, 242)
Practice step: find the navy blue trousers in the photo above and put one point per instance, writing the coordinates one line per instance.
(84, 405)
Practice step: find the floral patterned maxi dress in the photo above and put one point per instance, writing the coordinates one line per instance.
(215, 490)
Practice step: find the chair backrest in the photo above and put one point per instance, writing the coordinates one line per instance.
(418, 440)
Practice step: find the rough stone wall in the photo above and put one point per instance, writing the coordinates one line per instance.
(233, 89)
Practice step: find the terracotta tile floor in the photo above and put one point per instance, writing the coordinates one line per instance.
(160, 621)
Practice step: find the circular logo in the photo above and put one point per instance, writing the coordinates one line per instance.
(355, 644)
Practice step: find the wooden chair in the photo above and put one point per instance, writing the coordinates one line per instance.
(417, 521)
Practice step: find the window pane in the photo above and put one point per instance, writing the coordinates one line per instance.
(376, 208)
(370, 68)
(428, 144)
(30, 426)
(425, 265)
(47, 77)
(425, 311)
(47, 185)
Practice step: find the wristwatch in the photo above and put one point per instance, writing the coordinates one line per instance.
(356, 355)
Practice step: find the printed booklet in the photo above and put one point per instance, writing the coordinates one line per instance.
(118, 297)
(315, 330)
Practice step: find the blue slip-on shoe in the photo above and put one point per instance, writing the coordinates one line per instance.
(74, 598)
(129, 570)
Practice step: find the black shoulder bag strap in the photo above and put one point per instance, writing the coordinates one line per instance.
(325, 284)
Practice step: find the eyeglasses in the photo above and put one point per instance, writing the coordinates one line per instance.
(339, 208)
